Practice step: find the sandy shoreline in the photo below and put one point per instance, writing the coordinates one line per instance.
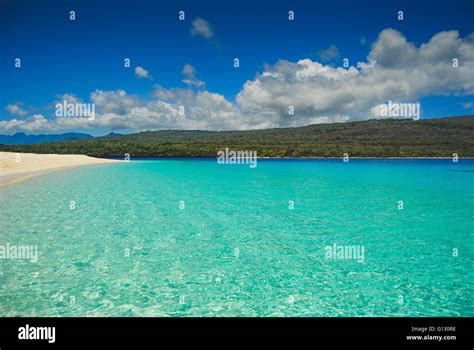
(16, 167)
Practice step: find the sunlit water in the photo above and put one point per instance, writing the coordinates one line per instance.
(236, 249)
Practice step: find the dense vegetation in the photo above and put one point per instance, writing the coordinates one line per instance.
(373, 138)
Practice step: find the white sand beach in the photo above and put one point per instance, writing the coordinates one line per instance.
(15, 167)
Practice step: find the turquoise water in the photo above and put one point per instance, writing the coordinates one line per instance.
(236, 249)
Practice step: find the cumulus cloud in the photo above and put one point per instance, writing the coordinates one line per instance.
(116, 102)
(168, 109)
(142, 73)
(201, 27)
(16, 109)
(31, 124)
(69, 98)
(332, 52)
(395, 70)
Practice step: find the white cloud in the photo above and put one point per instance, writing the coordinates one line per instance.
(201, 27)
(395, 70)
(142, 73)
(332, 52)
(116, 110)
(69, 98)
(117, 102)
(31, 124)
(190, 76)
(169, 109)
(16, 109)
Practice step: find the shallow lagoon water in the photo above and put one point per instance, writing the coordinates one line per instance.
(236, 249)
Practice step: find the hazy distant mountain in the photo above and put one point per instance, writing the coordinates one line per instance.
(21, 138)
(110, 134)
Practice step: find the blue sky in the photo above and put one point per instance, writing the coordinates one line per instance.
(79, 57)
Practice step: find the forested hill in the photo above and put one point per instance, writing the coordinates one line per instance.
(373, 138)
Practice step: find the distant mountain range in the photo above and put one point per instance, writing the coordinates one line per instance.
(441, 137)
(21, 138)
